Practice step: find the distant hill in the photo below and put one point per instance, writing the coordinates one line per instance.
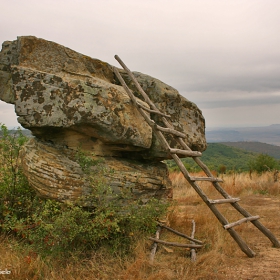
(217, 155)
(265, 134)
(257, 147)
(233, 158)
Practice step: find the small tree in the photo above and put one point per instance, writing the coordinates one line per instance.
(263, 163)
(222, 169)
(14, 188)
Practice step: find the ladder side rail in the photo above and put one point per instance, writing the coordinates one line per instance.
(209, 174)
(263, 229)
(142, 92)
(150, 122)
(142, 112)
(166, 145)
(243, 246)
(165, 121)
(236, 205)
(206, 170)
(159, 134)
(257, 224)
(267, 233)
(199, 162)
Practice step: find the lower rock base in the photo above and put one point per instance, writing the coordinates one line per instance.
(54, 173)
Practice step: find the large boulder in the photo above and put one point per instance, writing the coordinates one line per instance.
(70, 101)
(54, 172)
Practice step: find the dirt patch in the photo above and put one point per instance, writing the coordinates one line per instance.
(236, 265)
(266, 264)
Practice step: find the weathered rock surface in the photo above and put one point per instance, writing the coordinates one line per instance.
(54, 173)
(70, 101)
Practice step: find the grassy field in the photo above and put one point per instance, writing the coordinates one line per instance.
(220, 257)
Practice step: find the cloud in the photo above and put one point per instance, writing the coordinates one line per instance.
(241, 116)
(235, 99)
(219, 54)
(8, 115)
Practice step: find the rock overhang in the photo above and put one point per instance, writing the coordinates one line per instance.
(70, 101)
(54, 86)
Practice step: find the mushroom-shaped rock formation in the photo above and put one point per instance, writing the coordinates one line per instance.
(70, 101)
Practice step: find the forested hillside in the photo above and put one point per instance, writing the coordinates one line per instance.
(258, 147)
(221, 157)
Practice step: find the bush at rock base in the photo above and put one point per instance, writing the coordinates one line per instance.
(50, 227)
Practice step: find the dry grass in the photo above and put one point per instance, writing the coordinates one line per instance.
(219, 251)
(234, 183)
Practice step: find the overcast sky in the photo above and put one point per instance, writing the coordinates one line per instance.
(222, 55)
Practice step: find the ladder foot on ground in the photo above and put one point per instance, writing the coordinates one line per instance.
(186, 151)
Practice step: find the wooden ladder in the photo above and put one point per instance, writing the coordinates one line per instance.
(186, 151)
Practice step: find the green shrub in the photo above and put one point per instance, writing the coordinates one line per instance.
(54, 228)
(263, 163)
(16, 196)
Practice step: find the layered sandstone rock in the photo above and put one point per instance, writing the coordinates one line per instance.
(70, 101)
(55, 173)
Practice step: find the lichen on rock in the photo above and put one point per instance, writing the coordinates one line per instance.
(70, 101)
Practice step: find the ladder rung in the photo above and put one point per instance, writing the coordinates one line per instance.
(175, 244)
(180, 234)
(185, 152)
(152, 111)
(170, 130)
(247, 219)
(227, 200)
(210, 179)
